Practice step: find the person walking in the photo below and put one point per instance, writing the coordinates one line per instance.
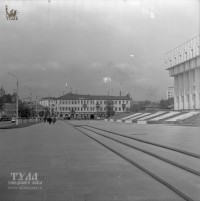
(50, 120)
(45, 119)
(54, 120)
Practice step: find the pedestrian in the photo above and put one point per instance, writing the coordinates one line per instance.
(45, 119)
(54, 120)
(50, 120)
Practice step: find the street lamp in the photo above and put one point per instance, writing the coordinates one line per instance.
(30, 96)
(16, 98)
(36, 109)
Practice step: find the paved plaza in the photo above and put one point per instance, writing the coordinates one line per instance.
(69, 166)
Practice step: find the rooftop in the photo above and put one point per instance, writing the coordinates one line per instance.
(71, 96)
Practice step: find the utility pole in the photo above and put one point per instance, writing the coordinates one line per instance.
(36, 110)
(17, 103)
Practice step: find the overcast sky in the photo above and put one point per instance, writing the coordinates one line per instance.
(79, 42)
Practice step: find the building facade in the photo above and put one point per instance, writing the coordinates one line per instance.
(184, 65)
(85, 106)
(170, 92)
(9, 109)
(50, 103)
(47, 102)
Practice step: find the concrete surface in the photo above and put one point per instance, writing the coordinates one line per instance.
(71, 167)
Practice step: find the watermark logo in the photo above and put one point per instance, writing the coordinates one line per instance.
(12, 14)
(24, 181)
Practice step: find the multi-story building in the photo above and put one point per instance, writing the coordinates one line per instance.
(9, 109)
(184, 65)
(49, 102)
(86, 106)
(170, 92)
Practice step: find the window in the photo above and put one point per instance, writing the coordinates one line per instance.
(119, 108)
(193, 73)
(119, 102)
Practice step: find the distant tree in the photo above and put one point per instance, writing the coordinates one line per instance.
(109, 108)
(8, 98)
(2, 91)
(171, 101)
(24, 111)
(2, 99)
(41, 113)
(46, 112)
(139, 106)
(166, 103)
(2, 104)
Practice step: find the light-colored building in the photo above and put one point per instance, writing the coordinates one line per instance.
(184, 65)
(170, 92)
(85, 106)
(47, 102)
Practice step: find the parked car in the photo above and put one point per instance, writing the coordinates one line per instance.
(13, 119)
(5, 118)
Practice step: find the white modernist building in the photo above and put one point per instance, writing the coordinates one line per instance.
(184, 65)
(83, 106)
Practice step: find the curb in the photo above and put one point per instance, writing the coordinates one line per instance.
(20, 125)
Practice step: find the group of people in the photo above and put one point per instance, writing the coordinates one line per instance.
(50, 120)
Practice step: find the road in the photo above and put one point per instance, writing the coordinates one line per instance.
(62, 164)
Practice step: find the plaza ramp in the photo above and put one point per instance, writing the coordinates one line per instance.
(183, 116)
(130, 120)
(152, 115)
(128, 117)
(118, 116)
(170, 114)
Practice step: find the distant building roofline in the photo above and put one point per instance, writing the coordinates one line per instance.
(71, 96)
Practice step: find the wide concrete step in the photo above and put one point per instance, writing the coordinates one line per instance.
(170, 114)
(183, 116)
(152, 115)
(130, 116)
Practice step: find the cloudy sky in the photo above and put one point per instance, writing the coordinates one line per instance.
(79, 42)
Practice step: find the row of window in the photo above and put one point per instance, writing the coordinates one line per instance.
(87, 109)
(91, 102)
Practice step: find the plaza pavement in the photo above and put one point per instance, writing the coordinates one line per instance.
(71, 167)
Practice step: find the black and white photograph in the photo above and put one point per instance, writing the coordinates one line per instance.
(99, 100)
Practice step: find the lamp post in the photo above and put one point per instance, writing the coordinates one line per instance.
(36, 110)
(30, 99)
(16, 97)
